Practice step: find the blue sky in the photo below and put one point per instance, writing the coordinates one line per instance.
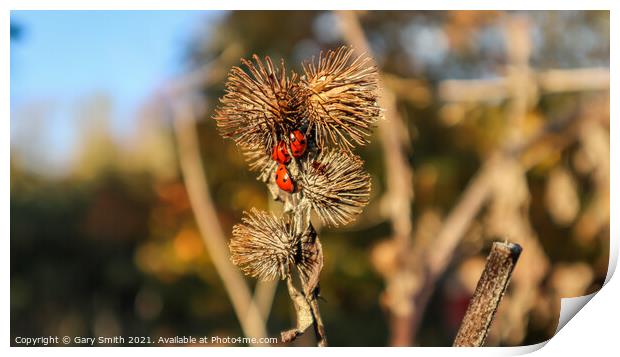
(66, 56)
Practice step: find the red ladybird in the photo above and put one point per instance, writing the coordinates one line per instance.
(298, 143)
(280, 154)
(283, 179)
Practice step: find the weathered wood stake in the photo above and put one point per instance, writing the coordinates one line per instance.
(489, 292)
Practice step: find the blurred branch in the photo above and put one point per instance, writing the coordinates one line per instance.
(473, 90)
(478, 191)
(488, 294)
(474, 197)
(264, 293)
(522, 86)
(547, 82)
(570, 80)
(399, 193)
(416, 91)
(193, 171)
(458, 220)
(250, 318)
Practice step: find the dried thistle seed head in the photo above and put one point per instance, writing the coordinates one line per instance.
(261, 163)
(263, 246)
(258, 105)
(341, 102)
(336, 186)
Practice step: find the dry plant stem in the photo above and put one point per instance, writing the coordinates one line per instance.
(488, 294)
(399, 193)
(319, 328)
(306, 307)
(250, 318)
(302, 311)
(307, 313)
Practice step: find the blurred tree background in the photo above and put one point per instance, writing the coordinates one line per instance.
(111, 247)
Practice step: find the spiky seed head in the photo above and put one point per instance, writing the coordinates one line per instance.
(257, 105)
(336, 186)
(264, 246)
(341, 101)
(261, 163)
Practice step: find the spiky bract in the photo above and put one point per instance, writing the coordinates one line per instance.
(336, 186)
(257, 106)
(264, 246)
(342, 102)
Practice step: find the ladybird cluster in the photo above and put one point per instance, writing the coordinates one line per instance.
(298, 143)
(298, 132)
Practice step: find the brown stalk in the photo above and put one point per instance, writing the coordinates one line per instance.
(488, 294)
(305, 301)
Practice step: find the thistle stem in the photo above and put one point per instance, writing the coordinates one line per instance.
(489, 292)
(319, 328)
(305, 299)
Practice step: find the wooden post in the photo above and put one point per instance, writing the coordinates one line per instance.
(489, 292)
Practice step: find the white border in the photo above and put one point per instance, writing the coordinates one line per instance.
(590, 331)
